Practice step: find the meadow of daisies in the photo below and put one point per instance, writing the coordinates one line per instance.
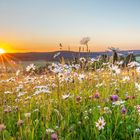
(87, 100)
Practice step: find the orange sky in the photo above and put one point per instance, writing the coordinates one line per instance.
(14, 43)
(20, 46)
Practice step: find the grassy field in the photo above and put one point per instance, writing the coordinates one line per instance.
(71, 102)
(37, 63)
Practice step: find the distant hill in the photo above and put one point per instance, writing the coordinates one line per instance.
(49, 56)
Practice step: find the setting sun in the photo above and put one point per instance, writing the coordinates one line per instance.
(2, 51)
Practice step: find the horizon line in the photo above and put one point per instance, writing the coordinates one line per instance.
(68, 51)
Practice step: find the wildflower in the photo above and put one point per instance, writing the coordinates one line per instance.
(132, 97)
(36, 110)
(120, 62)
(48, 130)
(115, 70)
(107, 110)
(55, 68)
(138, 70)
(85, 40)
(137, 130)
(85, 113)
(16, 108)
(65, 96)
(99, 107)
(86, 117)
(99, 85)
(137, 86)
(31, 67)
(2, 127)
(17, 72)
(27, 115)
(8, 92)
(114, 97)
(76, 66)
(20, 122)
(82, 59)
(126, 78)
(21, 94)
(81, 77)
(61, 76)
(123, 110)
(79, 122)
(92, 60)
(19, 88)
(29, 80)
(134, 64)
(41, 89)
(138, 109)
(96, 95)
(12, 79)
(54, 136)
(56, 55)
(69, 79)
(127, 97)
(118, 103)
(7, 109)
(100, 123)
(78, 99)
(90, 110)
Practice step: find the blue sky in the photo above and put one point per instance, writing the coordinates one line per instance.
(41, 24)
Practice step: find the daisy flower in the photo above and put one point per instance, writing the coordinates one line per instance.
(100, 123)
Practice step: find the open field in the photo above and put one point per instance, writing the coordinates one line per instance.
(69, 70)
(70, 102)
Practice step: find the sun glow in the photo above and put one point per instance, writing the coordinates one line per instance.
(2, 51)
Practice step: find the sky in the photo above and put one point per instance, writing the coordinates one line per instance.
(40, 25)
